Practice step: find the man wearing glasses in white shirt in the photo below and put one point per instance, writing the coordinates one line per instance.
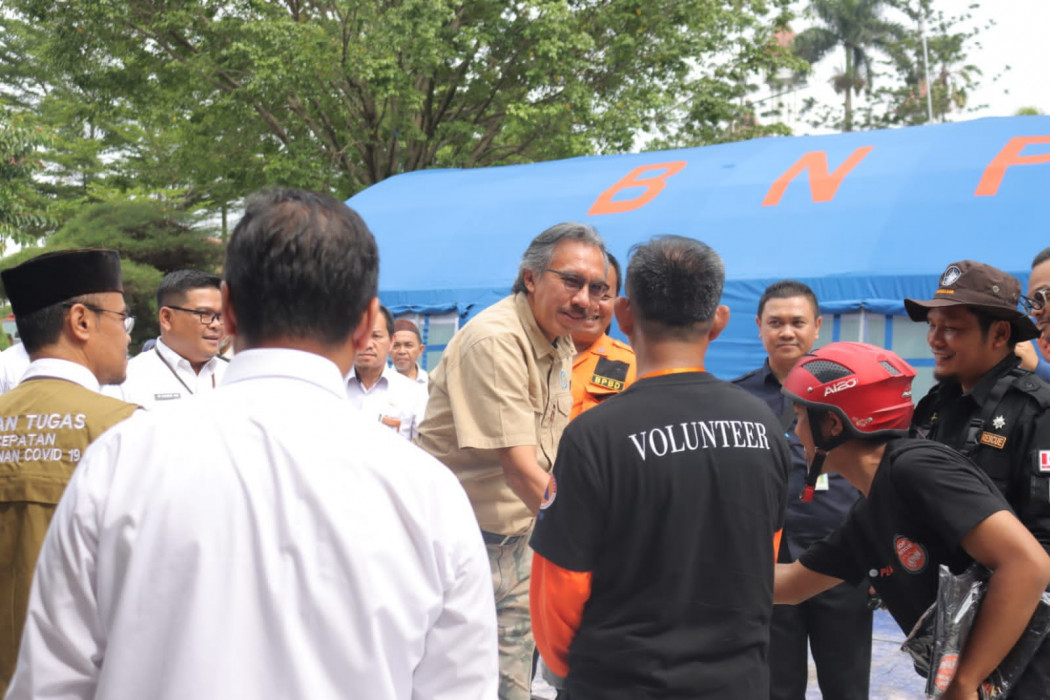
(185, 360)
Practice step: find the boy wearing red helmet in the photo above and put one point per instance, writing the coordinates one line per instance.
(924, 505)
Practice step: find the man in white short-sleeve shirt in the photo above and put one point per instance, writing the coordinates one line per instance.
(234, 547)
(378, 390)
(185, 359)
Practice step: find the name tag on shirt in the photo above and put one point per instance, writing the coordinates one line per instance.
(166, 397)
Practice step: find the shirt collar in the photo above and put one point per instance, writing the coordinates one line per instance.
(176, 360)
(388, 371)
(259, 363)
(986, 383)
(52, 367)
(540, 345)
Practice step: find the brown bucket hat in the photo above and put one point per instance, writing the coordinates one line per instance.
(969, 283)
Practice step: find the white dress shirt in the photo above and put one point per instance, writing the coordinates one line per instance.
(61, 369)
(13, 363)
(263, 541)
(394, 400)
(160, 375)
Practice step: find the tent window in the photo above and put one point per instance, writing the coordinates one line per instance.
(897, 333)
(437, 330)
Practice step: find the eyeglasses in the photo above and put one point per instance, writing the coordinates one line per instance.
(128, 319)
(1038, 301)
(207, 317)
(574, 283)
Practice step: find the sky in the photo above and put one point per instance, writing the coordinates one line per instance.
(1017, 40)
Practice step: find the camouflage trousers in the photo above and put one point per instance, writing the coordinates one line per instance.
(511, 565)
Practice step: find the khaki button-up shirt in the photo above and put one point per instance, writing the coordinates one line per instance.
(500, 383)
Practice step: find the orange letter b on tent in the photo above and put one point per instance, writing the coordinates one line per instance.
(822, 186)
(653, 185)
(1010, 155)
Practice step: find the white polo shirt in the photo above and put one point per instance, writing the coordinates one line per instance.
(234, 547)
(394, 400)
(161, 375)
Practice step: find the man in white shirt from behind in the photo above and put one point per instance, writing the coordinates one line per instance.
(185, 359)
(378, 390)
(266, 540)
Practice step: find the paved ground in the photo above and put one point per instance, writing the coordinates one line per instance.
(892, 675)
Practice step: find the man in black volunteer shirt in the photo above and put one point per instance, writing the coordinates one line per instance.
(985, 406)
(654, 559)
(835, 625)
(925, 505)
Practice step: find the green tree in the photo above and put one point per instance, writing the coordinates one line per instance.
(22, 214)
(152, 240)
(858, 27)
(214, 98)
(952, 79)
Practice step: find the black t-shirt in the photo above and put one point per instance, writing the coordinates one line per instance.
(924, 499)
(670, 494)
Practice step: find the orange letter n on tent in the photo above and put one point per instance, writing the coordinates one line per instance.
(1010, 155)
(653, 185)
(822, 186)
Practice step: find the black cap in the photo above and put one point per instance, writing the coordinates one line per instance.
(974, 284)
(54, 277)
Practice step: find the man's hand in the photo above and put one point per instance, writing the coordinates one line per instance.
(525, 477)
(1029, 358)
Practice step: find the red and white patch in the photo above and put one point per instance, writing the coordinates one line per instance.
(550, 494)
(946, 671)
(912, 555)
(1044, 461)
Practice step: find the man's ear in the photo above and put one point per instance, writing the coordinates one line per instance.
(719, 322)
(78, 322)
(528, 278)
(758, 322)
(833, 425)
(624, 315)
(164, 317)
(229, 317)
(1000, 333)
(363, 332)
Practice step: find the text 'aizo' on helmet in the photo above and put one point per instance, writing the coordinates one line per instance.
(868, 387)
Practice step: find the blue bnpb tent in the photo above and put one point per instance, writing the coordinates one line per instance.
(865, 218)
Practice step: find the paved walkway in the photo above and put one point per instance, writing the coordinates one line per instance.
(892, 675)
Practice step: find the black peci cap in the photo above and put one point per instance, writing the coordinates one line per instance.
(53, 277)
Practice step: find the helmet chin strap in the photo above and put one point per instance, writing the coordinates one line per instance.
(823, 445)
(812, 474)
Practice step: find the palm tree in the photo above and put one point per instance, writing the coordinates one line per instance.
(856, 26)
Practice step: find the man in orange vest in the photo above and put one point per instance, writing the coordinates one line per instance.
(603, 366)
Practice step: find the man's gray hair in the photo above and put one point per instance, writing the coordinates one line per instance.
(537, 257)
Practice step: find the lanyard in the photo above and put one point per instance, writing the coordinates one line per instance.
(673, 370)
(176, 374)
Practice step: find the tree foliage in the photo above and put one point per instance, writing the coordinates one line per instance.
(217, 97)
(22, 214)
(152, 240)
(859, 28)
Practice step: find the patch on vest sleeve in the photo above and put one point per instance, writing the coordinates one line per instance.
(611, 374)
(1044, 461)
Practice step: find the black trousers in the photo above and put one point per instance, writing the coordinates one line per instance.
(836, 627)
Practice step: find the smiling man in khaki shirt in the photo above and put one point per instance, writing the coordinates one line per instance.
(499, 400)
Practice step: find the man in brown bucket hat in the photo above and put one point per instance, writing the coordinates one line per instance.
(984, 404)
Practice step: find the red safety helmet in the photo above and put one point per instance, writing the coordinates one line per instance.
(868, 387)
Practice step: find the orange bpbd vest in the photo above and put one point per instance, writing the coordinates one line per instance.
(602, 370)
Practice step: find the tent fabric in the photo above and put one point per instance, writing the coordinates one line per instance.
(865, 218)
